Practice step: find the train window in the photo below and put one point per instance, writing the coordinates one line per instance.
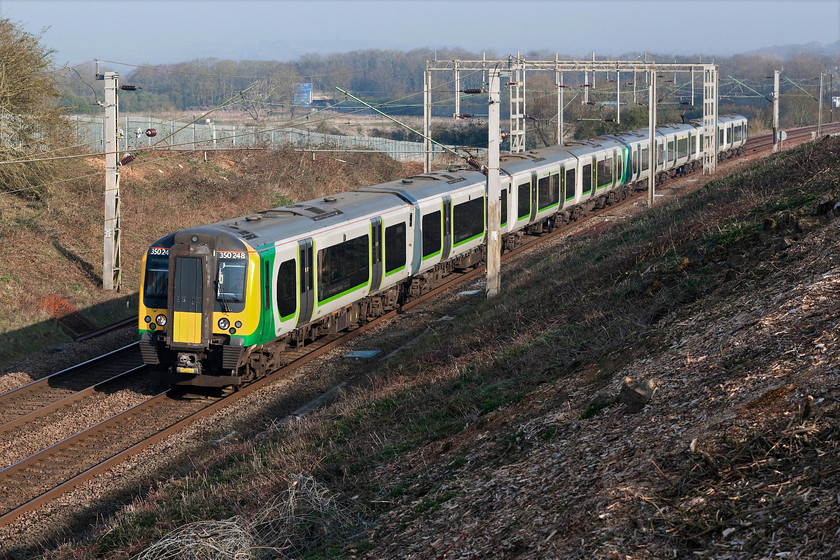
(720, 137)
(230, 284)
(431, 234)
(267, 285)
(604, 176)
(395, 247)
(618, 172)
(693, 147)
(645, 158)
(343, 268)
(504, 206)
(523, 197)
(672, 153)
(682, 147)
(468, 220)
(549, 191)
(660, 154)
(586, 177)
(570, 182)
(156, 287)
(286, 290)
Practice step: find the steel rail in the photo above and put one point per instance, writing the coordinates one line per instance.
(60, 382)
(322, 346)
(67, 401)
(128, 321)
(314, 351)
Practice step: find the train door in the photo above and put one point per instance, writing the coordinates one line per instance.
(618, 167)
(307, 283)
(376, 253)
(523, 201)
(533, 195)
(634, 163)
(447, 227)
(561, 186)
(188, 296)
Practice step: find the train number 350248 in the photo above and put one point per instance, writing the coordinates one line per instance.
(231, 255)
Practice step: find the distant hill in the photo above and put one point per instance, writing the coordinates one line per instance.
(786, 52)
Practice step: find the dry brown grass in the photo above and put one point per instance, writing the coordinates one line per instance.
(53, 246)
(475, 439)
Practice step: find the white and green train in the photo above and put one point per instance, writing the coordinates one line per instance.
(221, 303)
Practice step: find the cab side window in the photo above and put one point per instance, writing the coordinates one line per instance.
(431, 234)
(286, 289)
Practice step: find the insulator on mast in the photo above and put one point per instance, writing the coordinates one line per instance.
(477, 165)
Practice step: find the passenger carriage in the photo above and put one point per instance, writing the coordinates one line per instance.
(220, 303)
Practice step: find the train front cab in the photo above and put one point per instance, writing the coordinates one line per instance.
(195, 312)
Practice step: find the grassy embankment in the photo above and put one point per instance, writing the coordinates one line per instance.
(52, 244)
(572, 317)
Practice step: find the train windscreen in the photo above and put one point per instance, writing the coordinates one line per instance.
(156, 285)
(231, 282)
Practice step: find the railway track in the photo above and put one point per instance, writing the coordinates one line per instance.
(32, 482)
(41, 477)
(795, 136)
(66, 387)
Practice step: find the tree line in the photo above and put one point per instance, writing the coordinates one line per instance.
(394, 80)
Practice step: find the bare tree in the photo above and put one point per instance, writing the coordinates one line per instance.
(31, 121)
(271, 94)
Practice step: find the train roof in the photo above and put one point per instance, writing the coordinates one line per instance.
(517, 163)
(731, 118)
(297, 221)
(514, 163)
(430, 185)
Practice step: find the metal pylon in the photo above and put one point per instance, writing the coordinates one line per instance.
(517, 106)
(710, 119)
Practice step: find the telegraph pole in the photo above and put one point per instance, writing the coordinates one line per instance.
(111, 266)
(427, 119)
(819, 118)
(652, 132)
(457, 92)
(560, 123)
(776, 111)
(494, 189)
(618, 96)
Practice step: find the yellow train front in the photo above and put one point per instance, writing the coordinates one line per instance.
(195, 318)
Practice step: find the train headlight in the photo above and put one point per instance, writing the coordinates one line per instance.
(224, 324)
(238, 324)
(147, 319)
(161, 319)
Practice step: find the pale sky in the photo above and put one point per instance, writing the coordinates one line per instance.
(163, 32)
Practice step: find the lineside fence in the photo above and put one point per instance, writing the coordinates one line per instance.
(211, 136)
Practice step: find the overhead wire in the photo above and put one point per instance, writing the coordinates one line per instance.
(76, 156)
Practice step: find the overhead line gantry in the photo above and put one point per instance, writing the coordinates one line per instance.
(514, 69)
